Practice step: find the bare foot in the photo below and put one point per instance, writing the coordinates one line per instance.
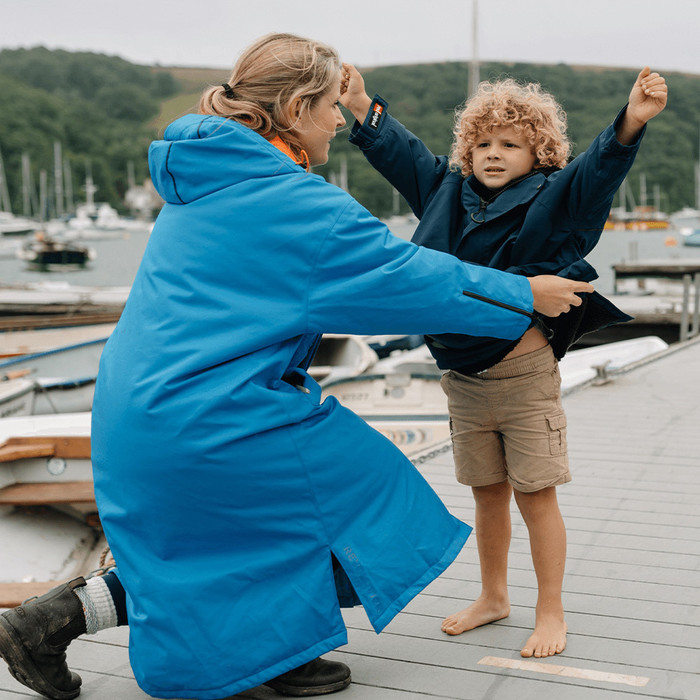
(549, 637)
(480, 612)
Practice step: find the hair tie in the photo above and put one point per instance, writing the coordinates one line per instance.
(228, 91)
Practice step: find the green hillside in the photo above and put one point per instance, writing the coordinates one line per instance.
(104, 112)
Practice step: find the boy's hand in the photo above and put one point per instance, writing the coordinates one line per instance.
(554, 295)
(352, 92)
(647, 98)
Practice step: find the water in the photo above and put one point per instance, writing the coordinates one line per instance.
(118, 259)
(617, 247)
(115, 265)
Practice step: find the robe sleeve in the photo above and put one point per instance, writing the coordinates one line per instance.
(365, 280)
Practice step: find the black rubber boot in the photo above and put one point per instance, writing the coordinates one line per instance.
(34, 637)
(317, 677)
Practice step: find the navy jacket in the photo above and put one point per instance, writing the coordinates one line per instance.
(543, 224)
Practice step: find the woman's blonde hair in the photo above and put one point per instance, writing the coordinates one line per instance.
(268, 78)
(528, 109)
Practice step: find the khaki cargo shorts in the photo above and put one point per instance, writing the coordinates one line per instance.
(507, 423)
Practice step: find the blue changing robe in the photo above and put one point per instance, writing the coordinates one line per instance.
(223, 482)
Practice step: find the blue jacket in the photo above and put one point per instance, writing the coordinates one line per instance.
(224, 484)
(542, 224)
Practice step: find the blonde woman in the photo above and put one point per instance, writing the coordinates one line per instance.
(243, 511)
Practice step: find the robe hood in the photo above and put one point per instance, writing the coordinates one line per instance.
(202, 154)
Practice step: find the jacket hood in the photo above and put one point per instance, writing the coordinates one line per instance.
(202, 154)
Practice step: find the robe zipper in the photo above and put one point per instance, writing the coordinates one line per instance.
(537, 319)
(494, 302)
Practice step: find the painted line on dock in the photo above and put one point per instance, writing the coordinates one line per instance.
(567, 671)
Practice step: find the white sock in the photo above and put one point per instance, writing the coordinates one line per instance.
(100, 613)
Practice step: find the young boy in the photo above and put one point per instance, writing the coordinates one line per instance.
(506, 198)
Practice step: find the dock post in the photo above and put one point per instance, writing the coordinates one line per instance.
(684, 334)
(696, 306)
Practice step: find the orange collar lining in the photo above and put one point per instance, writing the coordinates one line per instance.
(301, 159)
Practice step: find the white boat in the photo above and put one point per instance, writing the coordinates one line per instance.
(60, 297)
(408, 408)
(9, 248)
(686, 220)
(64, 376)
(98, 222)
(63, 395)
(598, 362)
(13, 343)
(339, 356)
(692, 238)
(47, 253)
(11, 225)
(401, 395)
(38, 449)
(49, 526)
(16, 397)
(417, 360)
(384, 345)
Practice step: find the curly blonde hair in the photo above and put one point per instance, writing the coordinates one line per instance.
(266, 81)
(527, 108)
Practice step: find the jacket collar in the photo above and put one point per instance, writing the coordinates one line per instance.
(300, 159)
(479, 211)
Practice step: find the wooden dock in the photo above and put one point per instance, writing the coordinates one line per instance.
(666, 302)
(632, 588)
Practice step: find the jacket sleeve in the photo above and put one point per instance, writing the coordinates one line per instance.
(573, 208)
(365, 280)
(400, 156)
(598, 172)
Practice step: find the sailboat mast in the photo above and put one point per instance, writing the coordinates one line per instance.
(58, 178)
(697, 176)
(5, 204)
(44, 213)
(26, 179)
(474, 77)
(68, 181)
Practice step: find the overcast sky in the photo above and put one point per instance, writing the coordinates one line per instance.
(626, 33)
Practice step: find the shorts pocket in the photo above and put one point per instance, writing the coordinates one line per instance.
(556, 428)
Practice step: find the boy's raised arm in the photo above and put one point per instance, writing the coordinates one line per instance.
(352, 92)
(647, 98)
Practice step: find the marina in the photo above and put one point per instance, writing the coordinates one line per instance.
(632, 575)
(66, 270)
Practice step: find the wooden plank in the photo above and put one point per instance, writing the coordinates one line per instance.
(564, 671)
(47, 493)
(56, 320)
(450, 669)
(575, 602)
(657, 268)
(418, 639)
(11, 452)
(12, 594)
(27, 447)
